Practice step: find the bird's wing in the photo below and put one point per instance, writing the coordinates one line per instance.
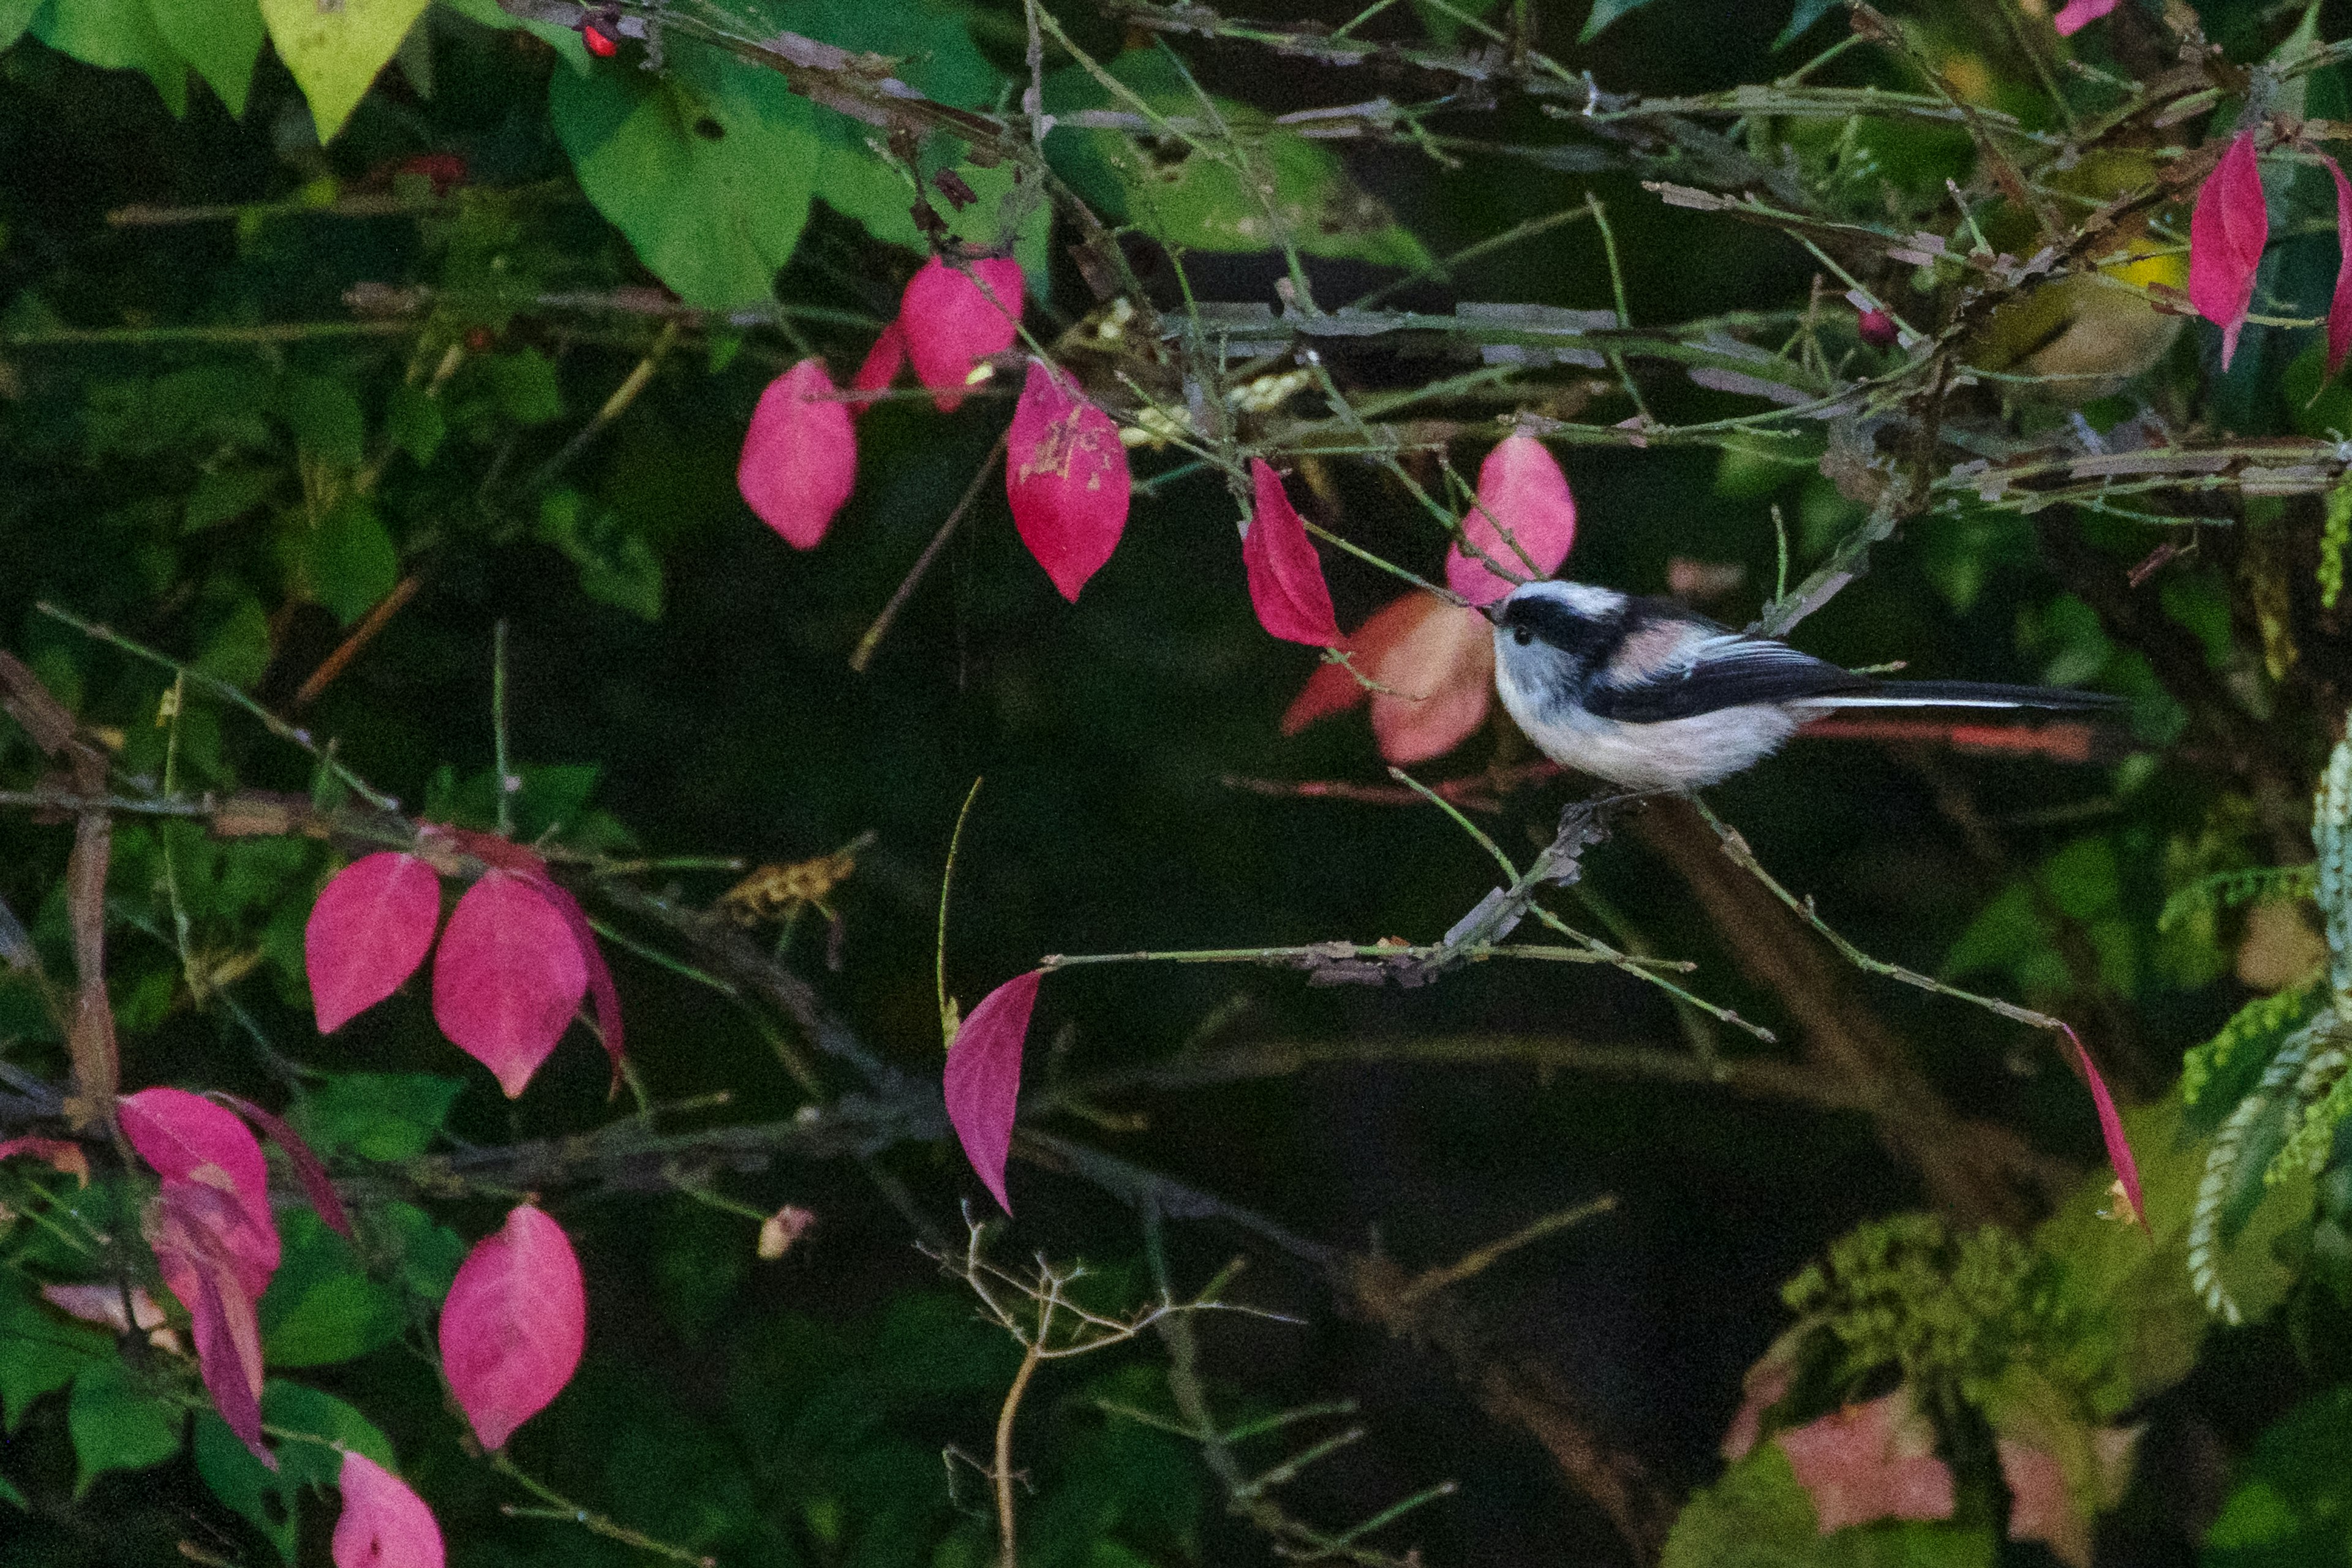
(1728, 671)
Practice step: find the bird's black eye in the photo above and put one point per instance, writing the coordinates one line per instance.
(1521, 636)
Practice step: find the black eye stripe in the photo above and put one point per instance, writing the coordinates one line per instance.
(1535, 616)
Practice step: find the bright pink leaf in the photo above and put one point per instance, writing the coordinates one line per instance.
(2339, 308)
(881, 365)
(202, 1248)
(1521, 492)
(383, 1525)
(2111, 1131)
(1868, 1462)
(513, 1326)
(1286, 576)
(950, 322)
(1065, 477)
(800, 456)
(2077, 14)
(308, 1169)
(507, 977)
(600, 977)
(983, 1077)
(2227, 232)
(368, 931)
(66, 1158)
(188, 1139)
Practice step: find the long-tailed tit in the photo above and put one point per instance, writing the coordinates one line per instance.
(1646, 694)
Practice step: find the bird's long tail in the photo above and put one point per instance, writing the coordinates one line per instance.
(1968, 694)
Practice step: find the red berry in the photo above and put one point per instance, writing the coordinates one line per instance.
(601, 44)
(1877, 329)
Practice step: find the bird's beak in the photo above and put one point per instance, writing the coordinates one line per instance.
(1492, 612)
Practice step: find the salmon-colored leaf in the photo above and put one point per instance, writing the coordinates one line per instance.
(1332, 689)
(1065, 477)
(1869, 1461)
(983, 1077)
(949, 322)
(2111, 1131)
(368, 931)
(1286, 576)
(1524, 522)
(308, 1169)
(383, 1525)
(1438, 681)
(2227, 232)
(800, 456)
(507, 977)
(512, 1329)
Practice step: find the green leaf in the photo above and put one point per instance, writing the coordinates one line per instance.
(1758, 1515)
(1445, 22)
(1801, 20)
(430, 1252)
(15, 16)
(221, 39)
(375, 1115)
(1604, 12)
(268, 1497)
(117, 1423)
(618, 566)
(222, 494)
(565, 40)
(237, 647)
(40, 1350)
(1195, 197)
(2293, 1503)
(117, 35)
(349, 560)
(321, 1306)
(335, 52)
(8, 1492)
(707, 168)
(325, 418)
(416, 423)
(524, 385)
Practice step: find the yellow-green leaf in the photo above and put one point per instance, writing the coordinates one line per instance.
(334, 49)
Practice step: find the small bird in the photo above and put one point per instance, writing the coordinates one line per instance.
(1652, 695)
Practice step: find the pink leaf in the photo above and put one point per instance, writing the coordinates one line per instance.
(800, 458)
(983, 1077)
(2226, 234)
(383, 1525)
(1285, 577)
(600, 977)
(513, 1326)
(881, 366)
(1520, 489)
(200, 1242)
(189, 1139)
(368, 931)
(1066, 476)
(507, 977)
(2111, 1131)
(2339, 308)
(308, 1169)
(2077, 14)
(950, 322)
(67, 1159)
(1439, 676)
(1868, 1462)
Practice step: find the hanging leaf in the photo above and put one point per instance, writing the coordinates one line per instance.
(196, 1233)
(983, 1077)
(369, 929)
(514, 1323)
(2227, 232)
(2339, 304)
(309, 1171)
(383, 1525)
(800, 456)
(950, 318)
(189, 1139)
(1524, 522)
(221, 39)
(336, 51)
(2077, 14)
(1066, 476)
(506, 978)
(1286, 576)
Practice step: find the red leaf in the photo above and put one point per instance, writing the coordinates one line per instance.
(513, 1326)
(881, 363)
(2226, 234)
(1436, 664)
(1521, 492)
(949, 322)
(1065, 477)
(67, 1159)
(1285, 577)
(368, 931)
(800, 459)
(2339, 308)
(197, 1234)
(383, 1525)
(507, 977)
(600, 977)
(600, 43)
(1332, 689)
(1868, 1462)
(190, 1141)
(983, 1077)
(2111, 1131)
(2077, 14)
(308, 1169)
